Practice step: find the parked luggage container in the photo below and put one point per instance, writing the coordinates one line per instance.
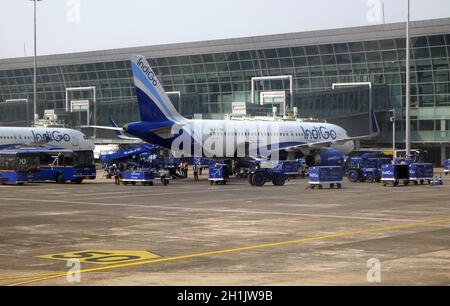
(218, 173)
(394, 174)
(447, 167)
(420, 173)
(322, 175)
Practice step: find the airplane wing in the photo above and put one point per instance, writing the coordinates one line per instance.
(162, 130)
(103, 127)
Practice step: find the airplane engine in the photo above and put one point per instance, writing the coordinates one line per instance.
(326, 158)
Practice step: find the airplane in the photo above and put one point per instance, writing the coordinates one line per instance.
(161, 124)
(61, 138)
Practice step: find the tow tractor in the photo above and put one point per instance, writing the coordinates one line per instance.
(366, 168)
(276, 172)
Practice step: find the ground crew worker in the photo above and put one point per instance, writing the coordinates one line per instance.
(116, 179)
(195, 169)
(185, 169)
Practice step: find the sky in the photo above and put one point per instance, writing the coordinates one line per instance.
(66, 26)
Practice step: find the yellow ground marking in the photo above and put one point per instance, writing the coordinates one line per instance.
(27, 276)
(246, 248)
(102, 257)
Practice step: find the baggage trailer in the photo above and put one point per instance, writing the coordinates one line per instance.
(322, 175)
(393, 174)
(447, 166)
(421, 172)
(218, 173)
(138, 176)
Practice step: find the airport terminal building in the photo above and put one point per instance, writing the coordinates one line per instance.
(252, 75)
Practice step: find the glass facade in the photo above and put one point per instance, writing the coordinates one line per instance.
(209, 83)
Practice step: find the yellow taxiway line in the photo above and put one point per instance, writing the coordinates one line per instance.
(240, 249)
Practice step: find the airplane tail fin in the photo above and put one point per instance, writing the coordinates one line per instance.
(113, 124)
(154, 104)
(119, 132)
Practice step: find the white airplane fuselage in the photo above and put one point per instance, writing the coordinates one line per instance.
(225, 136)
(57, 137)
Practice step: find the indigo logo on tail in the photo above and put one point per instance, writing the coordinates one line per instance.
(148, 71)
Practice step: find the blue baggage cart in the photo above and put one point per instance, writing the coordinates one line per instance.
(218, 173)
(393, 174)
(138, 176)
(420, 172)
(322, 175)
(447, 167)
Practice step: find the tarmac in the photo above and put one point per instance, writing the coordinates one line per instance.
(191, 233)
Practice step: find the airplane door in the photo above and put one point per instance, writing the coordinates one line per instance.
(75, 142)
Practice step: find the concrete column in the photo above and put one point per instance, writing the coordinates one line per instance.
(443, 154)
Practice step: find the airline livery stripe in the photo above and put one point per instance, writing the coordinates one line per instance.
(141, 77)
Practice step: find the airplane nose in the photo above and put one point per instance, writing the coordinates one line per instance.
(125, 128)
